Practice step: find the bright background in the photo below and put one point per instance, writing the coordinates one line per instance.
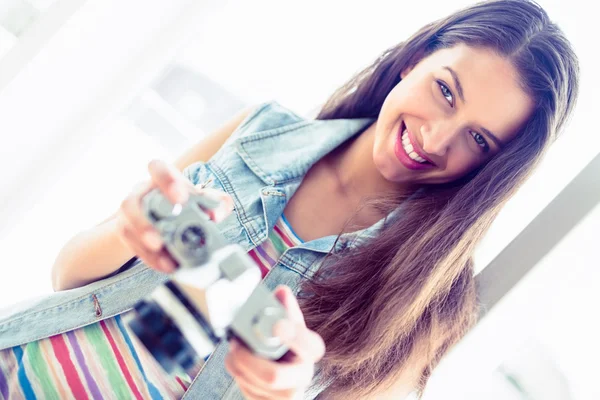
(92, 90)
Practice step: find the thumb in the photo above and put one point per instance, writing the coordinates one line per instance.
(286, 297)
(304, 345)
(225, 203)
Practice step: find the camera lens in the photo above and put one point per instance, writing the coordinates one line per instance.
(193, 236)
(193, 240)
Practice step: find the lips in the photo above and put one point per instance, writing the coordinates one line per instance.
(403, 156)
(415, 144)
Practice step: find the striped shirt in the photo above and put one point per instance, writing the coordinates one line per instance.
(102, 360)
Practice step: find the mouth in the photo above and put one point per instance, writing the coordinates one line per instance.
(408, 151)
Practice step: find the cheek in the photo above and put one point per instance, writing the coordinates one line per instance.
(461, 164)
(409, 97)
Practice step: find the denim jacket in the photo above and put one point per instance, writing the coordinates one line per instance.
(260, 166)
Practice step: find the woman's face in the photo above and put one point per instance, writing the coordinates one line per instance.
(448, 115)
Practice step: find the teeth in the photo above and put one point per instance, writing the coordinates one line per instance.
(416, 157)
(408, 147)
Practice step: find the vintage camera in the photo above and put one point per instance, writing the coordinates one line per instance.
(215, 293)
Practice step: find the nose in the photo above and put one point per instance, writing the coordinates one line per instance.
(437, 137)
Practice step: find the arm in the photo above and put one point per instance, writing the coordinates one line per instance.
(97, 252)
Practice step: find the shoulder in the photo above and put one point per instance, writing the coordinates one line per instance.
(266, 116)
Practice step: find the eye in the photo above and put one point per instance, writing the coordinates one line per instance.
(446, 93)
(481, 142)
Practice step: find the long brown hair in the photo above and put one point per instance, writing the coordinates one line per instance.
(410, 294)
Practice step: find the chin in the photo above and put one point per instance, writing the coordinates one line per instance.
(385, 168)
(391, 173)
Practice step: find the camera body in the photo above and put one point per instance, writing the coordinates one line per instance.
(215, 293)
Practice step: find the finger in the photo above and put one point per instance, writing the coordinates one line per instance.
(143, 186)
(225, 203)
(137, 222)
(159, 260)
(268, 374)
(252, 368)
(249, 395)
(273, 394)
(250, 392)
(138, 228)
(307, 345)
(131, 207)
(169, 181)
(177, 188)
(244, 383)
(286, 297)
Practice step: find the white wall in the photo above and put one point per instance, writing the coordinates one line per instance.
(555, 305)
(66, 159)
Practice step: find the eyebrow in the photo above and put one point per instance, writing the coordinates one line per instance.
(456, 83)
(493, 137)
(462, 97)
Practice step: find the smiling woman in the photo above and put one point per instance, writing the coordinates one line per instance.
(464, 110)
(370, 214)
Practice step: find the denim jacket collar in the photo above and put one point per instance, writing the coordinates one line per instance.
(312, 140)
(305, 142)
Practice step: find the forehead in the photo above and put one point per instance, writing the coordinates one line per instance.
(493, 95)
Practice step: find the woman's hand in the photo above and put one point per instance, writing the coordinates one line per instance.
(287, 379)
(136, 231)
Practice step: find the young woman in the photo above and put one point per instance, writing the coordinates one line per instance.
(369, 214)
